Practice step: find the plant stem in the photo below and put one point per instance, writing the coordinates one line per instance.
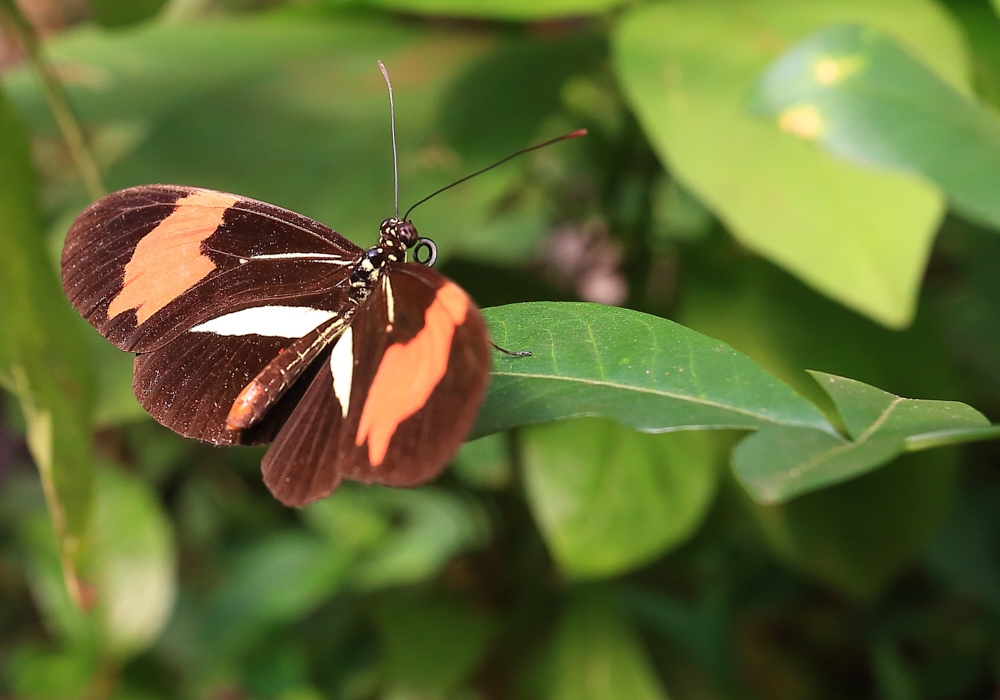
(58, 103)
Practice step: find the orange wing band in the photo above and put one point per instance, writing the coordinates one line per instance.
(408, 373)
(168, 260)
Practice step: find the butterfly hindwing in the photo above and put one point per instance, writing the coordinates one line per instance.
(393, 398)
(189, 385)
(148, 263)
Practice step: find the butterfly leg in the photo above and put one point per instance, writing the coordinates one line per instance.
(522, 353)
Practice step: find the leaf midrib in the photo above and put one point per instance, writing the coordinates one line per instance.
(659, 392)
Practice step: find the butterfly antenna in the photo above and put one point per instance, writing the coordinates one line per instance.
(565, 137)
(392, 117)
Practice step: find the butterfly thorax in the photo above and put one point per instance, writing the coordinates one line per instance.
(395, 237)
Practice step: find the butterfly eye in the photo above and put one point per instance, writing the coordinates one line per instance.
(407, 234)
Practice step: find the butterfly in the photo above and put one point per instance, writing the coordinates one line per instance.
(252, 324)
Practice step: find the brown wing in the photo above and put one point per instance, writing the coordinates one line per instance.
(146, 264)
(189, 385)
(393, 400)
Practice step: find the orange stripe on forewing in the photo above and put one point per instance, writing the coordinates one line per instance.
(168, 260)
(408, 373)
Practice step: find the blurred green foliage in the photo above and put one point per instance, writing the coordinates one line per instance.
(803, 186)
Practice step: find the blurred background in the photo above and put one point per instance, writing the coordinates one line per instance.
(843, 226)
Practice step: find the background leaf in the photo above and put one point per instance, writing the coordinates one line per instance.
(788, 329)
(858, 535)
(121, 13)
(132, 564)
(870, 101)
(859, 236)
(597, 655)
(172, 102)
(609, 499)
(781, 462)
(130, 574)
(398, 536)
(432, 646)
(499, 9)
(39, 358)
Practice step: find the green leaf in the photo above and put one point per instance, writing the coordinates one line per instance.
(597, 656)
(966, 550)
(64, 619)
(430, 646)
(35, 673)
(642, 371)
(517, 10)
(981, 27)
(40, 359)
(865, 98)
(501, 101)
(782, 462)
(859, 236)
(609, 499)
(121, 13)
(398, 537)
(484, 463)
(788, 328)
(857, 536)
(132, 564)
(274, 580)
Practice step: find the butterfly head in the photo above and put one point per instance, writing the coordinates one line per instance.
(396, 237)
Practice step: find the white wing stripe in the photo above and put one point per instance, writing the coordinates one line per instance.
(270, 321)
(389, 301)
(342, 368)
(328, 258)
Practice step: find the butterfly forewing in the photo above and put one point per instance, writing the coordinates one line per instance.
(148, 263)
(395, 396)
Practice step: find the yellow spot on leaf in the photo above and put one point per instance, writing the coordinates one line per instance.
(828, 71)
(804, 121)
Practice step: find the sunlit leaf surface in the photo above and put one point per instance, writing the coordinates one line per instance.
(859, 236)
(870, 101)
